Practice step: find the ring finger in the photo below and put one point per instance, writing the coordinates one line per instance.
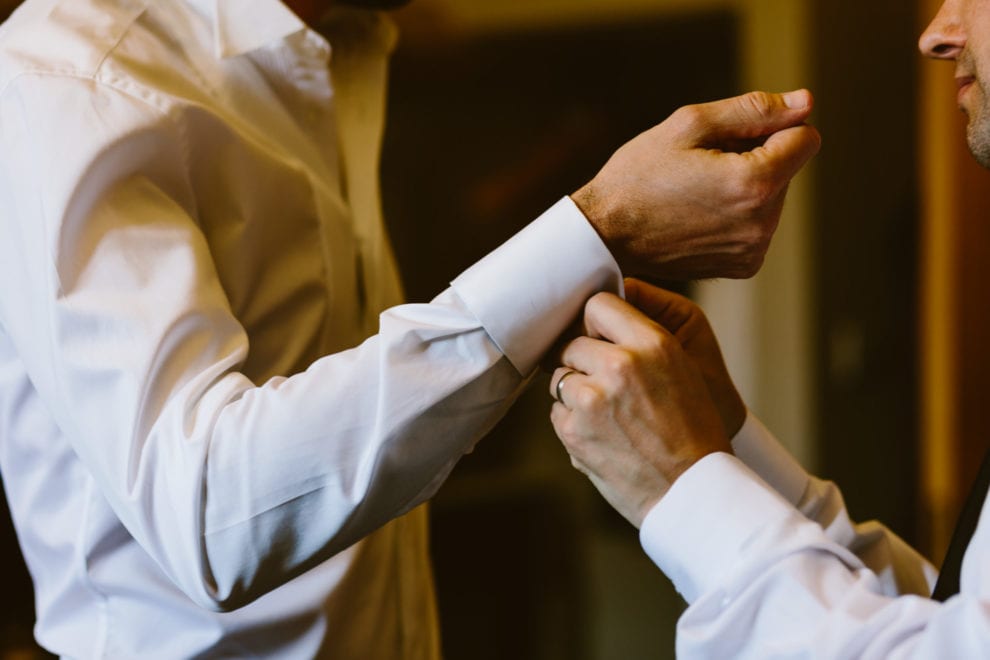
(564, 380)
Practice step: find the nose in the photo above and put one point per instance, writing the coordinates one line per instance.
(945, 38)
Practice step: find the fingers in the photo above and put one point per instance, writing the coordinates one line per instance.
(552, 357)
(744, 117)
(788, 150)
(608, 316)
(560, 377)
(613, 326)
(583, 356)
(667, 308)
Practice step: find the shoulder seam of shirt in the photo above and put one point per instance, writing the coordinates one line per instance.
(109, 84)
(74, 74)
(100, 47)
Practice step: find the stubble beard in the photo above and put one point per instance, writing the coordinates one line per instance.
(978, 126)
(978, 131)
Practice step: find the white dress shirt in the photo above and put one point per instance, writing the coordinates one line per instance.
(772, 567)
(195, 428)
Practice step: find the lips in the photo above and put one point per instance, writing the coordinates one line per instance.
(963, 83)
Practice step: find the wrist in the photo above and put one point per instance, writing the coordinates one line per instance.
(671, 472)
(678, 467)
(595, 209)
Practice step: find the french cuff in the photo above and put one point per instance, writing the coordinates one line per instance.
(530, 289)
(755, 446)
(700, 529)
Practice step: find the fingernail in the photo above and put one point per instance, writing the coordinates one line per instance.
(796, 100)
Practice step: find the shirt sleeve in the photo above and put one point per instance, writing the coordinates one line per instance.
(766, 575)
(235, 487)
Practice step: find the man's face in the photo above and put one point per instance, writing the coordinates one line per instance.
(961, 32)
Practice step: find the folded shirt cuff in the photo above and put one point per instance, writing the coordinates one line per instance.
(700, 529)
(529, 290)
(755, 446)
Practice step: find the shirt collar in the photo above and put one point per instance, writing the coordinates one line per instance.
(241, 26)
(365, 29)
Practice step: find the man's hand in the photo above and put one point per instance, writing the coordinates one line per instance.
(700, 195)
(635, 409)
(688, 324)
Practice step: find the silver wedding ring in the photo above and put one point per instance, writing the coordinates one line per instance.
(560, 385)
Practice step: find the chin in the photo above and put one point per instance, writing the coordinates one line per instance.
(978, 139)
(981, 151)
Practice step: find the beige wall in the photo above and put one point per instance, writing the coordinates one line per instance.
(764, 324)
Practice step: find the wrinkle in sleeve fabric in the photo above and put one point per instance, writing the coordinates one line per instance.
(234, 487)
(768, 572)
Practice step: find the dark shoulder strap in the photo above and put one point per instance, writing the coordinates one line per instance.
(948, 577)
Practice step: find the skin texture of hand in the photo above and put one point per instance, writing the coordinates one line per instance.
(638, 412)
(700, 195)
(685, 320)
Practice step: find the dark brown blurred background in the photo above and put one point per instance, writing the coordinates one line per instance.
(859, 344)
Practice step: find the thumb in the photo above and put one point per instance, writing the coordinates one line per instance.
(745, 117)
(788, 150)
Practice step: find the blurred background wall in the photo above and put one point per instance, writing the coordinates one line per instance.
(859, 343)
(498, 109)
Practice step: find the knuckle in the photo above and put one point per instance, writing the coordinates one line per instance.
(620, 367)
(761, 104)
(594, 306)
(657, 345)
(754, 264)
(593, 303)
(692, 309)
(757, 236)
(747, 266)
(590, 399)
(689, 117)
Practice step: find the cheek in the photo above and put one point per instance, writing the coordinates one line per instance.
(976, 23)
